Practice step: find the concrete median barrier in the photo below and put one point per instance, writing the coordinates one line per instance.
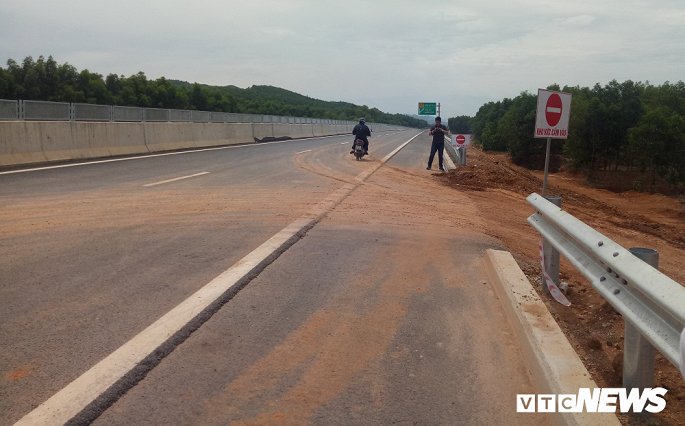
(263, 131)
(20, 143)
(175, 136)
(29, 142)
(318, 130)
(110, 140)
(295, 131)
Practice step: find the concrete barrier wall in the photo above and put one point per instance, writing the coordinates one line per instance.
(293, 130)
(20, 143)
(27, 142)
(112, 140)
(261, 131)
(174, 136)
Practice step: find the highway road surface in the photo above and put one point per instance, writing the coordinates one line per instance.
(377, 312)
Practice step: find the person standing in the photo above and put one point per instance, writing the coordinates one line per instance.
(438, 131)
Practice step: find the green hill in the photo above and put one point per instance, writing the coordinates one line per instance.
(45, 79)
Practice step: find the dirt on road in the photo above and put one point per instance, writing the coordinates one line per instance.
(632, 219)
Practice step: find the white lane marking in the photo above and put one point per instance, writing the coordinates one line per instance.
(302, 152)
(73, 398)
(553, 109)
(345, 143)
(141, 157)
(392, 154)
(174, 179)
(368, 172)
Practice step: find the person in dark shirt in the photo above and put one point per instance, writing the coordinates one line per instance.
(361, 131)
(438, 131)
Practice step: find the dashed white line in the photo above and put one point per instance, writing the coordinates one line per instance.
(302, 152)
(175, 179)
(164, 154)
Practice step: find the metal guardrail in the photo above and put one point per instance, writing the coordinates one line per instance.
(649, 301)
(458, 154)
(12, 110)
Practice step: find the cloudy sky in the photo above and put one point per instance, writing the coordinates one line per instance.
(389, 54)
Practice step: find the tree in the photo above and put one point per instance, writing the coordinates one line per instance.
(460, 124)
(198, 98)
(658, 144)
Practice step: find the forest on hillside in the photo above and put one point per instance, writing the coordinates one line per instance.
(631, 131)
(46, 80)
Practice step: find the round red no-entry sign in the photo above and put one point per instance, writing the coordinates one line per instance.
(553, 110)
(461, 139)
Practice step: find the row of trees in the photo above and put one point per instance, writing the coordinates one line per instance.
(621, 127)
(45, 79)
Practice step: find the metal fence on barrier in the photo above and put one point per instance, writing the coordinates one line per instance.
(180, 115)
(46, 111)
(62, 111)
(200, 116)
(91, 112)
(155, 114)
(9, 110)
(121, 113)
(652, 304)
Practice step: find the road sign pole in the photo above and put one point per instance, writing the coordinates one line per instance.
(544, 180)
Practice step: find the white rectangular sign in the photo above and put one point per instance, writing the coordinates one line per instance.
(553, 114)
(461, 140)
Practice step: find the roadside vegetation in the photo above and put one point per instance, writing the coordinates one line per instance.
(46, 80)
(622, 135)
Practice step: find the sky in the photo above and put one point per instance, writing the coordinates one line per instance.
(389, 54)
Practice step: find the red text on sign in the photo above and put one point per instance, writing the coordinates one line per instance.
(551, 132)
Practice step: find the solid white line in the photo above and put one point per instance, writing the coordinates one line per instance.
(77, 395)
(175, 179)
(365, 174)
(392, 154)
(141, 157)
(302, 152)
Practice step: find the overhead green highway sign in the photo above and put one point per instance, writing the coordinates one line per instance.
(428, 108)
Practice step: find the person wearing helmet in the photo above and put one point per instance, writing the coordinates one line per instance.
(361, 131)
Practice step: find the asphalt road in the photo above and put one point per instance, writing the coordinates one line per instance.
(380, 314)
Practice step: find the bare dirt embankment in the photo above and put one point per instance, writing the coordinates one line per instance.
(632, 219)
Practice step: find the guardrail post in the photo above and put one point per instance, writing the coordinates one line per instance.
(638, 353)
(550, 253)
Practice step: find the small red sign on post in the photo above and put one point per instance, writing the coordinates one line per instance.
(553, 114)
(459, 140)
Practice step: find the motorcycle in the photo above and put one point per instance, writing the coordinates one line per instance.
(359, 149)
